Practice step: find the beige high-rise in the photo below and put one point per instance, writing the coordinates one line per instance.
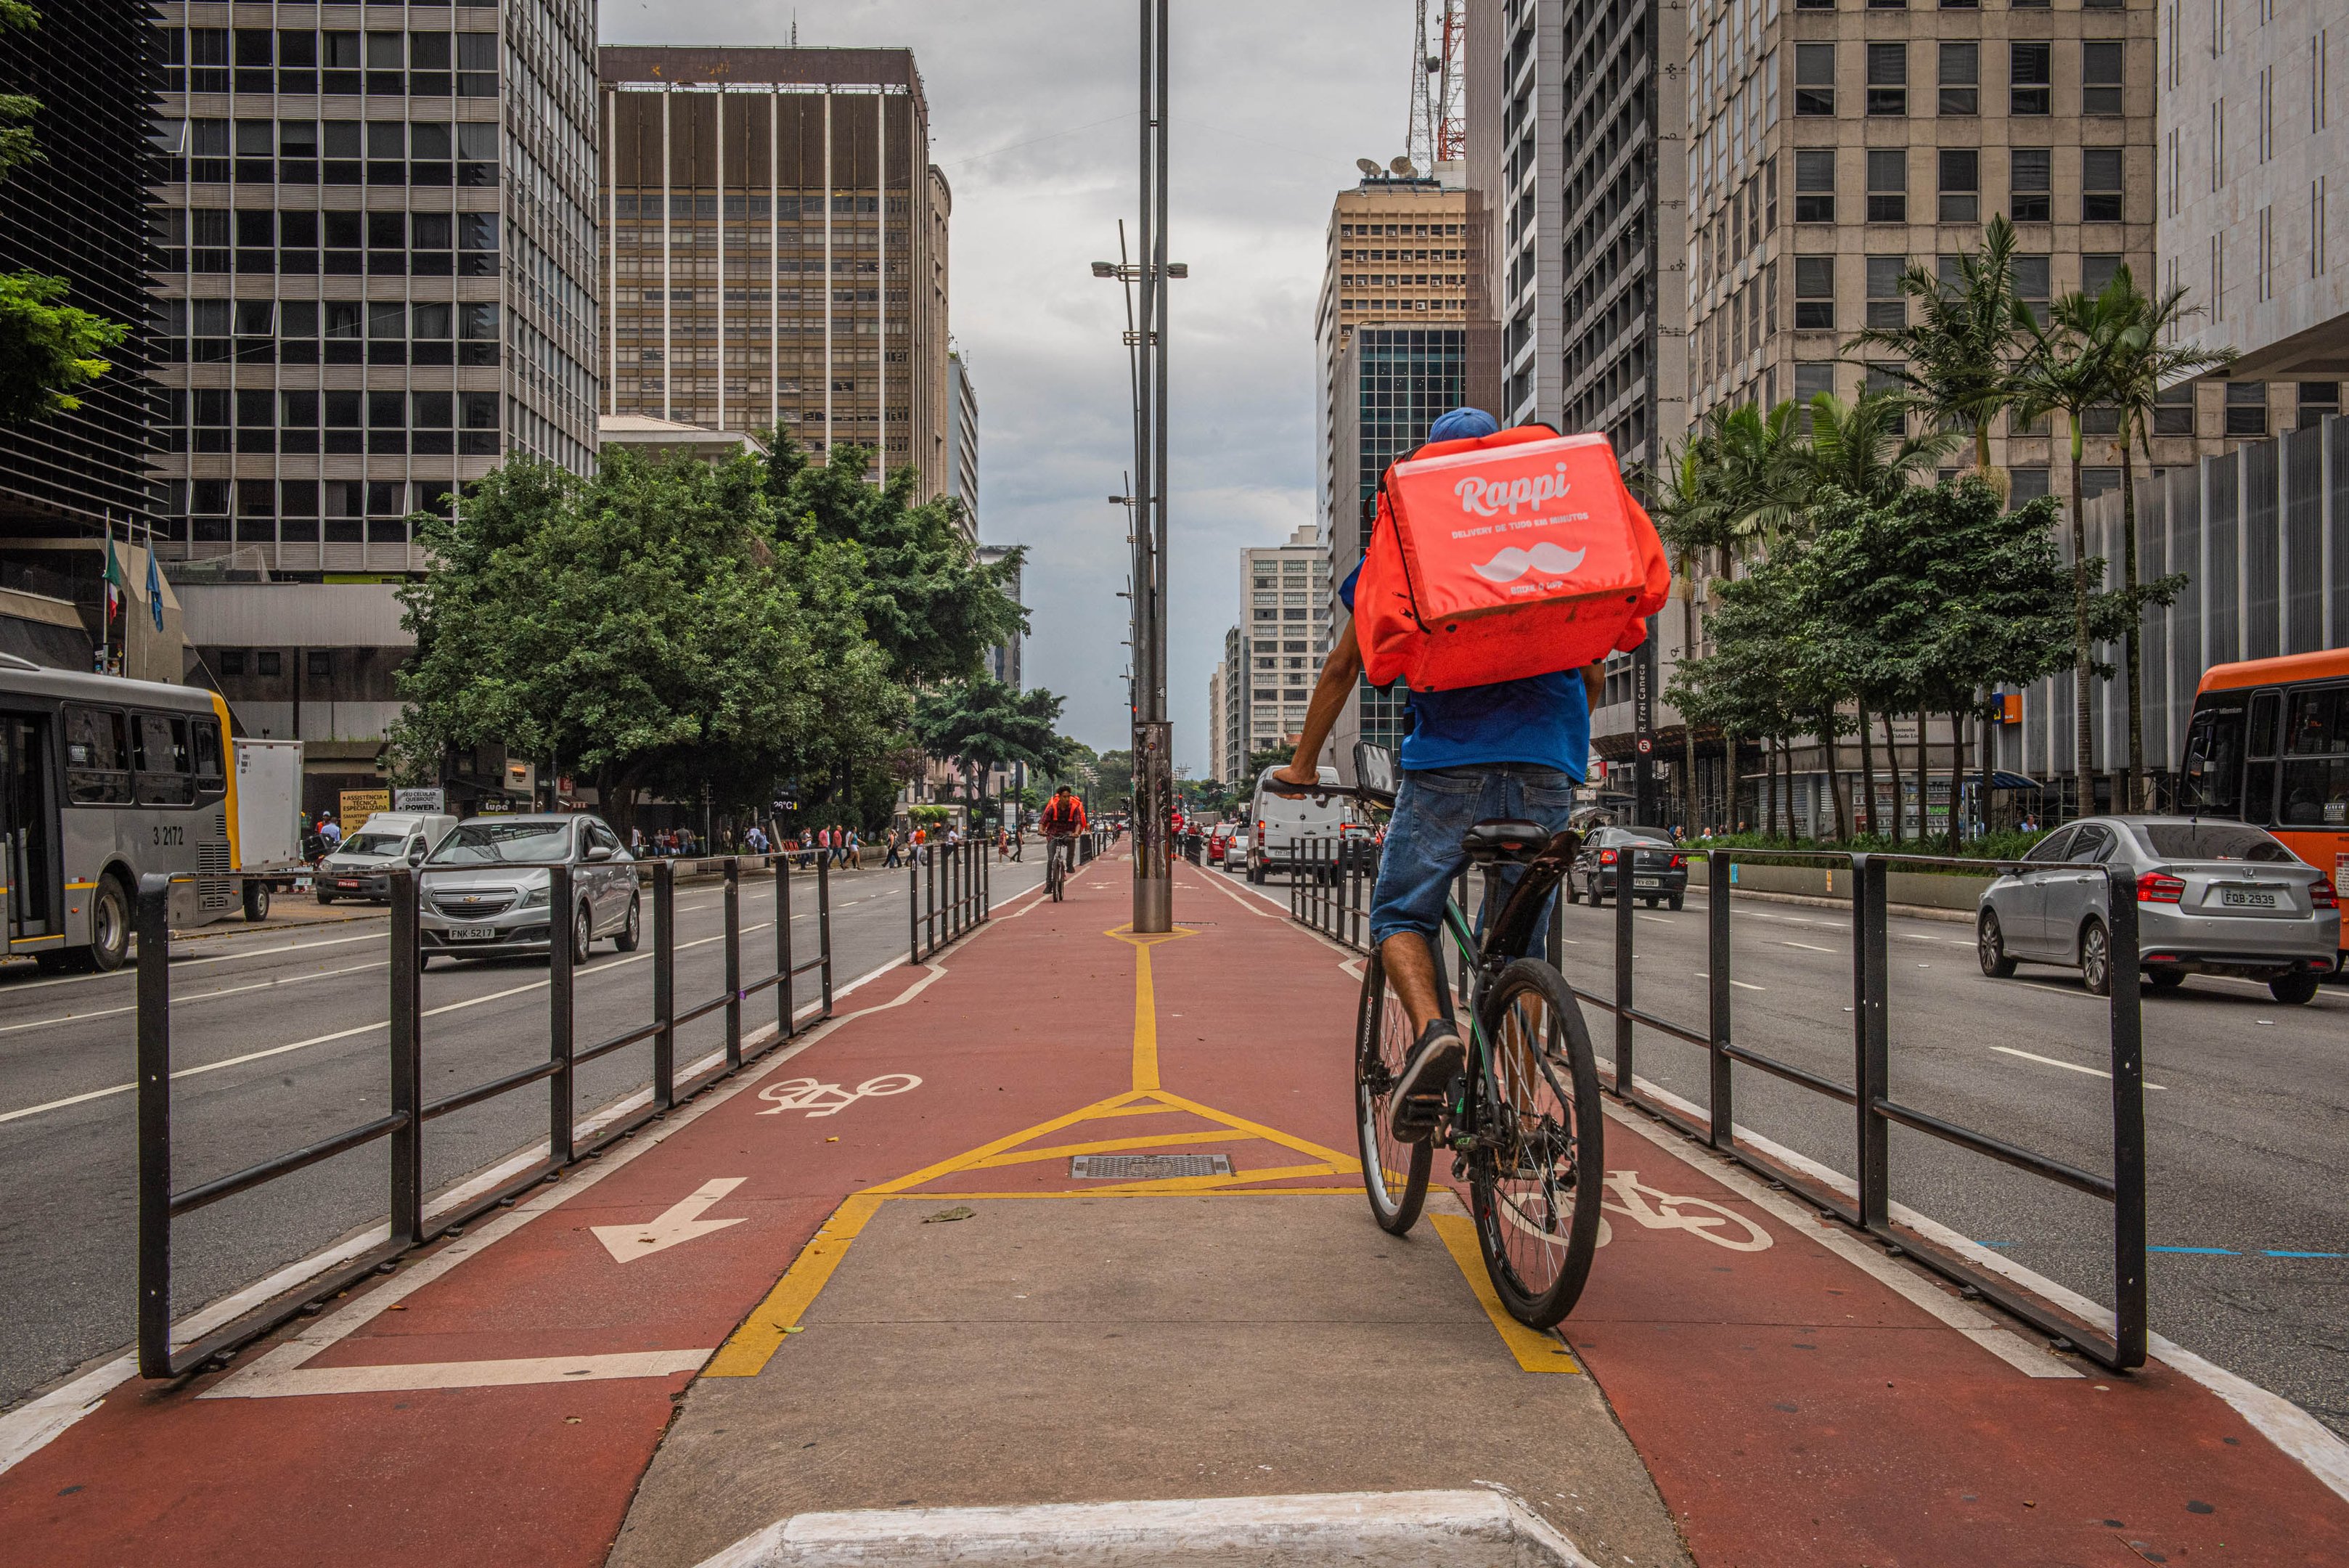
(775, 247)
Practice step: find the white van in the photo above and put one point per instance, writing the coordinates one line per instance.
(1282, 829)
(360, 867)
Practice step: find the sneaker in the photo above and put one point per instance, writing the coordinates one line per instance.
(1417, 1099)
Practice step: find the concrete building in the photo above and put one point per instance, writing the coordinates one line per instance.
(1003, 658)
(375, 280)
(1216, 688)
(1285, 588)
(1228, 737)
(775, 247)
(2251, 181)
(962, 441)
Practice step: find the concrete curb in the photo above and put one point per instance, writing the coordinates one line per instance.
(1480, 1528)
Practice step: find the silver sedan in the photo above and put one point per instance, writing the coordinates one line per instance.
(2213, 897)
(484, 890)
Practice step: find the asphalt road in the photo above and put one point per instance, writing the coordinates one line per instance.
(278, 1040)
(2247, 1134)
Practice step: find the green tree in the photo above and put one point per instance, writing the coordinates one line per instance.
(1113, 778)
(48, 349)
(985, 724)
(2146, 358)
(1957, 360)
(1742, 688)
(644, 628)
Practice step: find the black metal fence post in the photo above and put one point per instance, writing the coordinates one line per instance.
(824, 932)
(154, 1127)
(930, 900)
(560, 915)
(912, 904)
(1721, 1115)
(1872, 961)
(2129, 1124)
(786, 1013)
(733, 900)
(406, 1062)
(1623, 989)
(665, 983)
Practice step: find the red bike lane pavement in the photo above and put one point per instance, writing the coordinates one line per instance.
(498, 1399)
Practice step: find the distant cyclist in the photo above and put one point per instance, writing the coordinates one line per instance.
(1513, 750)
(1064, 819)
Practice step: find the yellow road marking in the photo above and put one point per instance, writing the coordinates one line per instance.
(1103, 1146)
(1258, 1130)
(1009, 1141)
(1536, 1352)
(747, 1352)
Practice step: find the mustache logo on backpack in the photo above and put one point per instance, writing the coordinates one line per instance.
(1513, 563)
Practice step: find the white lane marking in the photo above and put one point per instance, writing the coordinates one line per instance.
(2067, 1066)
(680, 1221)
(2056, 990)
(1707, 974)
(271, 1379)
(130, 972)
(1909, 1284)
(199, 996)
(1659, 919)
(1806, 946)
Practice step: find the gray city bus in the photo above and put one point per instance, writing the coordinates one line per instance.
(102, 781)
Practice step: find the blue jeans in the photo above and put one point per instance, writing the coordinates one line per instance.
(1434, 807)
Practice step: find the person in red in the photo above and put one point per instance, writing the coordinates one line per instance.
(1063, 819)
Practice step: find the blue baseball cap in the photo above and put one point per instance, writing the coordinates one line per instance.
(1463, 424)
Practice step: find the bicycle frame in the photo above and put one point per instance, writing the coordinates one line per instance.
(1507, 938)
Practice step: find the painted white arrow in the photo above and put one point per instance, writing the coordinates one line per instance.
(681, 1222)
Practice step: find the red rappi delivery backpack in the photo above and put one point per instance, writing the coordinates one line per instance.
(1513, 555)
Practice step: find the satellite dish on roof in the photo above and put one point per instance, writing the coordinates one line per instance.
(1366, 166)
(1401, 166)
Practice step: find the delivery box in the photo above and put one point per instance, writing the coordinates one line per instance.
(1515, 555)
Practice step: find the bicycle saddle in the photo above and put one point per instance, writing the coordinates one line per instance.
(1502, 838)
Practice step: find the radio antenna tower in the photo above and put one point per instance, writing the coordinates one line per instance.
(1438, 131)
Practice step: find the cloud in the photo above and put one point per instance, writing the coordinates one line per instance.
(1032, 116)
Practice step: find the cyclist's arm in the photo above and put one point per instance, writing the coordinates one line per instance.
(1339, 673)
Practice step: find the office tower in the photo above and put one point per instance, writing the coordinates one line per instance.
(1231, 734)
(1003, 658)
(2250, 178)
(76, 213)
(776, 247)
(962, 445)
(376, 281)
(1284, 588)
(1216, 723)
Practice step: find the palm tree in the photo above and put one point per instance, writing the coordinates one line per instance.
(2146, 358)
(2069, 368)
(1958, 362)
(1757, 475)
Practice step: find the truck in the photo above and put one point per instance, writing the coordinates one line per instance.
(268, 838)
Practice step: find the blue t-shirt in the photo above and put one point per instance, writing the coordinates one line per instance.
(1543, 720)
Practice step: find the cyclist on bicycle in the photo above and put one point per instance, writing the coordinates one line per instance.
(1064, 819)
(1511, 750)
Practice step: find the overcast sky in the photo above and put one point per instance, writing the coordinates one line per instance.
(1032, 117)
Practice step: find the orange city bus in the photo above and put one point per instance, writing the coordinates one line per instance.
(2269, 740)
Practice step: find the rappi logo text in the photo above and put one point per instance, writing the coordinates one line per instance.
(1489, 498)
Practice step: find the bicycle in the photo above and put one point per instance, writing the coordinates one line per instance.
(1056, 865)
(1523, 1119)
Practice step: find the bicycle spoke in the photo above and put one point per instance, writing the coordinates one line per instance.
(1533, 1168)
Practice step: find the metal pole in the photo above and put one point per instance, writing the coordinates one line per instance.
(930, 897)
(786, 1015)
(1623, 969)
(824, 931)
(559, 913)
(1721, 1131)
(1154, 882)
(154, 1127)
(733, 960)
(1874, 1078)
(407, 1063)
(665, 983)
(2128, 1126)
(913, 904)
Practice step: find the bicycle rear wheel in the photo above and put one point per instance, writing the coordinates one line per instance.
(1394, 1173)
(1534, 1185)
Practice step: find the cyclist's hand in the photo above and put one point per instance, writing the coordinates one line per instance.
(1300, 779)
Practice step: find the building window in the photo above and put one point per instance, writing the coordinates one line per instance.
(2318, 399)
(2100, 77)
(1814, 79)
(1888, 79)
(1961, 197)
(2033, 285)
(1815, 170)
(1961, 78)
(2029, 183)
(2100, 185)
(1887, 185)
(1886, 305)
(2030, 68)
(2173, 410)
(2247, 408)
(1815, 294)
(2095, 272)
(2026, 485)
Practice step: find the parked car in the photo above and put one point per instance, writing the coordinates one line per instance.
(485, 889)
(1659, 870)
(1236, 849)
(2213, 897)
(360, 867)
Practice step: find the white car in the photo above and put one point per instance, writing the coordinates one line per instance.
(1236, 847)
(360, 866)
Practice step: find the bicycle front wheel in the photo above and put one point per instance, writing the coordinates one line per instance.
(1394, 1173)
(1537, 1179)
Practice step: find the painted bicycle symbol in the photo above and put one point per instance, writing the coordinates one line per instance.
(1659, 1211)
(819, 1099)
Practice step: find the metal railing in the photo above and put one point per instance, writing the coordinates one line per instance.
(1339, 912)
(949, 896)
(1336, 900)
(403, 1126)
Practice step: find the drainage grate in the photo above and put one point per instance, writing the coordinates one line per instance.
(1147, 1166)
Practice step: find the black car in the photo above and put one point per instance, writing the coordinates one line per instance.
(1659, 870)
